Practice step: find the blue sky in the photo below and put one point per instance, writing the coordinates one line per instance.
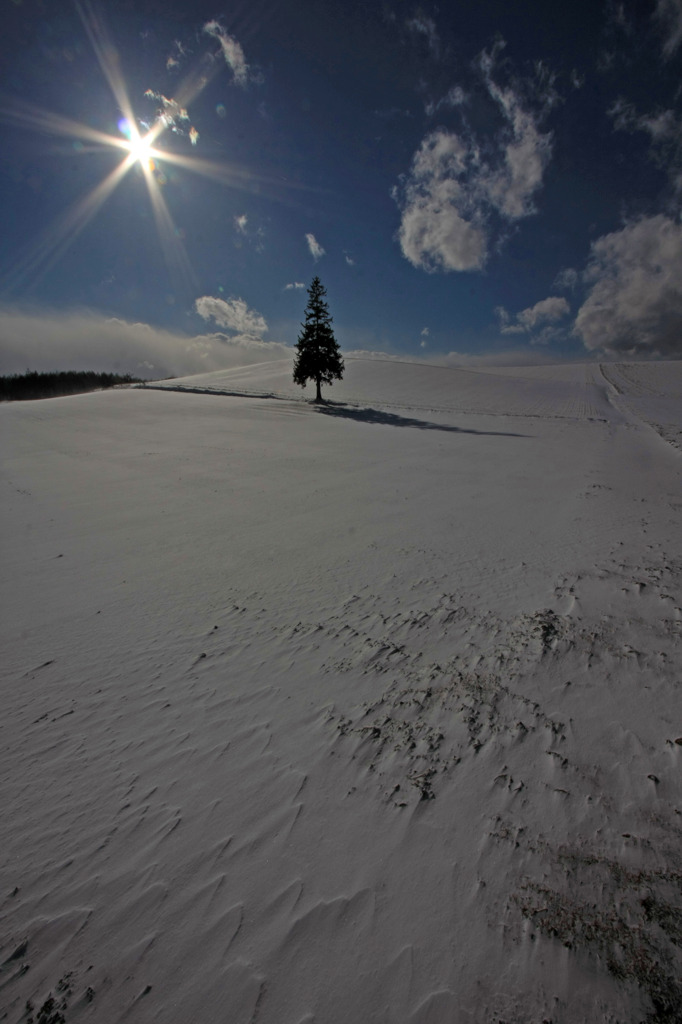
(487, 182)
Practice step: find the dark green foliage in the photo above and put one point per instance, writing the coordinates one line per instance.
(30, 385)
(318, 356)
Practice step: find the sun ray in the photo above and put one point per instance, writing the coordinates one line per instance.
(138, 149)
(107, 55)
(26, 115)
(57, 238)
(175, 256)
(235, 176)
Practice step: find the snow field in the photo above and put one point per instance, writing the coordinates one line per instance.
(368, 712)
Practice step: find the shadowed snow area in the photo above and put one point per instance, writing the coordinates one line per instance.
(311, 719)
(580, 392)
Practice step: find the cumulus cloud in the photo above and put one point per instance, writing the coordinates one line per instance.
(635, 302)
(46, 340)
(442, 227)
(231, 50)
(669, 16)
(240, 223)
(456, 183)
(526, 152)
(547, 311)
(233, 314)
(316, 250)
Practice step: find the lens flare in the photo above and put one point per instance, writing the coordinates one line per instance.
(139, 150)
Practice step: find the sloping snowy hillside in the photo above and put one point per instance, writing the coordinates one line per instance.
(363, 712)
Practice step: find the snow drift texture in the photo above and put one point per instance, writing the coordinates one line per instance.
(367, 712)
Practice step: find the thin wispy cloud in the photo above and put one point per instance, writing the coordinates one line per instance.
(231, 51)
(457, 180)
(316, 250)
(170, 111)
(294, 286)
(567, 279)
(664, 129)
(454, 97)
(505, 357)
(234, 314)
(424, 336)
(634, 306)
(668, 14)
(421, 25)
(246, 234)
(172, 115)
(176, 56)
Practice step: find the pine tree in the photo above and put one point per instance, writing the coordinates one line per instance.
(318, 356)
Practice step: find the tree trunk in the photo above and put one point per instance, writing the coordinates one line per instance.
(318, 396)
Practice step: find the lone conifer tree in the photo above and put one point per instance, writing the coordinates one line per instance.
(318, 356)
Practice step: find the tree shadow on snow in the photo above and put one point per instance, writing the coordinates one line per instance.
(391, 419)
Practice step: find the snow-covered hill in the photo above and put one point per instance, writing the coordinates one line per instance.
(365, 712)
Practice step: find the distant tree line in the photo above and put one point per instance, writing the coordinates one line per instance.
(20, 387)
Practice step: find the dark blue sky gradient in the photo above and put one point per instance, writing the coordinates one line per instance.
(339, 98)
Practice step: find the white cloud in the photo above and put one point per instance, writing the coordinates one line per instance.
(240, 223)
(47, 340)
(293, 286)
(511, 185)
(669, 15)
(456, 183)
(233, 314)
(231, 50)
(635, 303)
(316, 250)
(441, 228)
(547, 311)
(349, 260)
(424, 334)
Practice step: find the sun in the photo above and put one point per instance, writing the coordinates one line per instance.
(141, 150)
(139, 146)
